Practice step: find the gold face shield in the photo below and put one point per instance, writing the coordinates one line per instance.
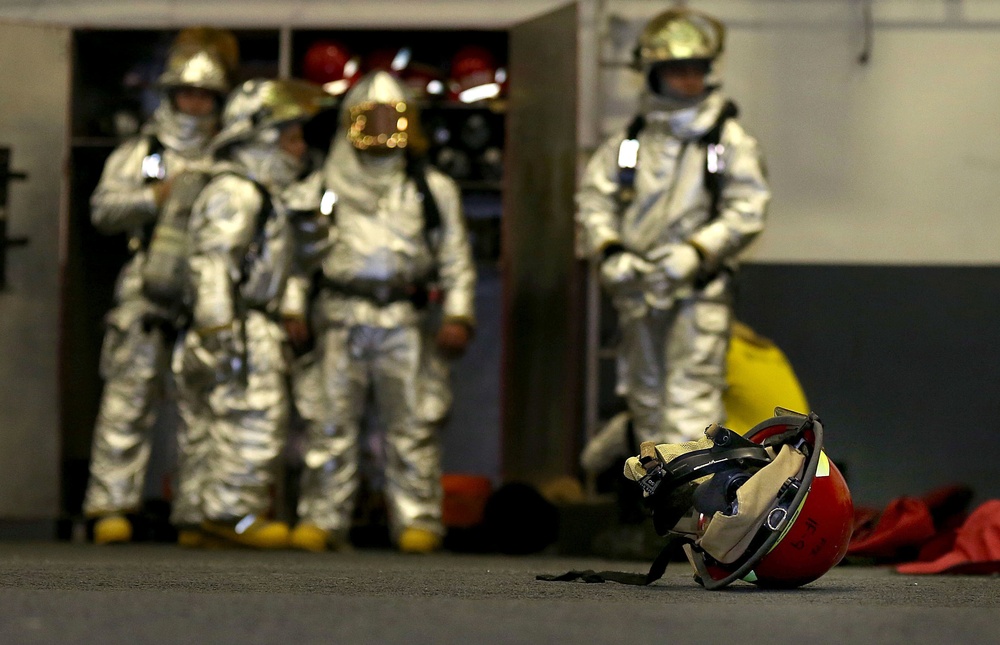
(374, 126)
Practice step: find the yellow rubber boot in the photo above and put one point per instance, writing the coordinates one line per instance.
(254, 533)
(310, 537)
(112, 529)
(413, 540)
(192, 537)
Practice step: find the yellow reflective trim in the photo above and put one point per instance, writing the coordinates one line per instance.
(823, 467)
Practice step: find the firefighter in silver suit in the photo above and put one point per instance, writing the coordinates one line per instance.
(386, 262)
(136, 181)
(665, 207)
(232, 366)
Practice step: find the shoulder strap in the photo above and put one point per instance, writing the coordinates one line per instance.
(152, 169)
(714, 135)
(637, 125)
(266, 208)
(416, 169)
(628, 155)
(628, 158)
(260, 233)
(152, 163)
(714, 164)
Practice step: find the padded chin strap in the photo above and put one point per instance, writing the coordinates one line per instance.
(656, 570)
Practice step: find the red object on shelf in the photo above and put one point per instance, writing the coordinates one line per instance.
(330, 64)
(382, 59)
(325, 61)
(474, 74)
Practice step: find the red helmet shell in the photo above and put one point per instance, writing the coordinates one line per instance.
(382, 60)
(817, 536)
(472, 60)
(471, 67)
(325, 61)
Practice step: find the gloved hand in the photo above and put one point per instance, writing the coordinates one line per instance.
(675, 265)
(680, 263)
(623, 270)
(297, 330)
(452, 339)
(217, 352)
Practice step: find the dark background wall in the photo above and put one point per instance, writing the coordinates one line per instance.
(899, 361)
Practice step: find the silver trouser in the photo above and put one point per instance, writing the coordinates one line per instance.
(134, 363)
(674, 369)
(435, 381)
(388, 361)
(236, 424)
(193, 391)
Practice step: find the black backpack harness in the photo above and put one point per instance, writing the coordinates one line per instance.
(628, 158)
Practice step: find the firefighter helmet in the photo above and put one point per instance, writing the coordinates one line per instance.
(330, 64)
(259, 107)
(679, 34)
(768, 508)
(474, 75)
(201, 57)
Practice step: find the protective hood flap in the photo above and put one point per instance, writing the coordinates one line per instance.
(728, 536)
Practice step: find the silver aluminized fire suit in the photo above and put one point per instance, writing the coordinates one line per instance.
(135, 358)
(674, 335)
(370, 336)
(232, 367)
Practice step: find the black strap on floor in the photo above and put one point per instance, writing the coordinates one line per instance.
(656, 571)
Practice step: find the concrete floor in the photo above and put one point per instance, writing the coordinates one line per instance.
(54, 592)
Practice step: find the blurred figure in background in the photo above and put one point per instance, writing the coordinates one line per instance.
(665, 207)
(399, 250)
(136, 184)
(232, 369)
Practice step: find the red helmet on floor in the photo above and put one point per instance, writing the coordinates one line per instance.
(768, 508)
